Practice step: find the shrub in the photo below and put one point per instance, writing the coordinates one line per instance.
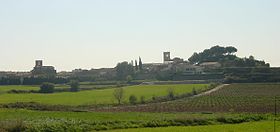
(170, 93)
(47, 88)
(142, 99)
(132, 99)
(74, 85)
(213, 85)
(154, 98)
(118, 94)
(194, 91)
(129, 79)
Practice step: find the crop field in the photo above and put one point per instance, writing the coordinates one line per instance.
(10, 114)
(86, 121)
(240, 98)
(266, 126)
(91, 97)
(231, 98)
(232, 104)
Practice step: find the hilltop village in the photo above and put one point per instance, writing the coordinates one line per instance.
(176, 64)
(215, 64)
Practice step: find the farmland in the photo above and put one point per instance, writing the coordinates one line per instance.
(238, 97)
(139, 65)
(92, 97)
(266, 126)
(4, 89)
(232, 98)
(86, 121)
(231, 104)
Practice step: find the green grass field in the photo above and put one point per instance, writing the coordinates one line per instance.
(103, 96)
(11, 114)
(85, 121)
(7, 88)
(264, 126)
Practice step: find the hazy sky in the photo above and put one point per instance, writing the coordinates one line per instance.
(71, 34)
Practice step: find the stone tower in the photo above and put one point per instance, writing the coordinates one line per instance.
(166, 57)
(38, 63)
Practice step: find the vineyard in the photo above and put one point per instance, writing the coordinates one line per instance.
(258, 98)
(209, 111)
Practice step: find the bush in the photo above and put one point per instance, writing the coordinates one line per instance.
(194, 91)
(154, 97)
(132, 99)
(47, 88)
(118, 94)
(129, 79)
(170, 93)
(74, 85)
(142, 99)
(213, 85)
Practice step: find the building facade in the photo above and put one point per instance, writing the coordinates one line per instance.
(43, 71)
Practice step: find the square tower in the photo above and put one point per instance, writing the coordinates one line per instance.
(38, 63)
(166, 57)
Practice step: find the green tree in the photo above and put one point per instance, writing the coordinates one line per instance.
(129, 79)
(136, 65)
(251, 57)
(142, 99)
(74, 85)
(47, 88)
(132, 99)
(215, 53)
(230, 50)
(194, 92)
(195, 58)
(123, 70)
(140, 64)
(170, 93)
(118, 95)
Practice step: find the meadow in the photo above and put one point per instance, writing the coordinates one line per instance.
(96, 96)
(263, 126)
(6, 88)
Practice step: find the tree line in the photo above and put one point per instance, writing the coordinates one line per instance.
(226, 56)
(126, 71)
(12, 80)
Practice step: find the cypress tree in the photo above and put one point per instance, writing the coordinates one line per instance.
(136, 65)
(140, 64)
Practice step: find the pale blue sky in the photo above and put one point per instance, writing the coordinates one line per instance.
(71, 34)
